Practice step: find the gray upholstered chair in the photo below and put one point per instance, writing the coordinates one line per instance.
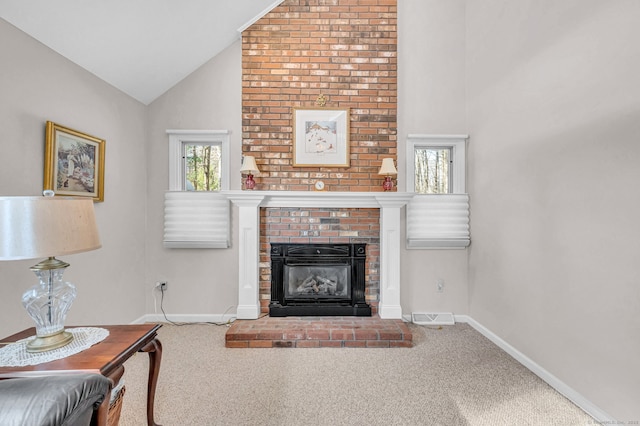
(63, 400)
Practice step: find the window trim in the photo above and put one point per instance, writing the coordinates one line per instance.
(457, 144)
(177, 138)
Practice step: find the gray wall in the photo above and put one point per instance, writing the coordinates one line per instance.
(548, 93)
(431, 100)
(201, 281)
(553, 113)
(36, 85)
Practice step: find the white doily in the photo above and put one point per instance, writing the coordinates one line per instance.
(16, 355)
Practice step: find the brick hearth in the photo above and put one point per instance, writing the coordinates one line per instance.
(319, 332)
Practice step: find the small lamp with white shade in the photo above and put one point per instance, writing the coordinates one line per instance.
(387, 169)
(249, 168)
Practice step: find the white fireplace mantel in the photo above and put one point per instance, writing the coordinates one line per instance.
(320, 199)
(249, 204)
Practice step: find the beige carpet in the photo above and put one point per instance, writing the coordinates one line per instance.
(452, 376)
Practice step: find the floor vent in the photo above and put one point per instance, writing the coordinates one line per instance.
(426, 318)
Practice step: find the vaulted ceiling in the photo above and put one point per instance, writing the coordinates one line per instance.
(142, 47)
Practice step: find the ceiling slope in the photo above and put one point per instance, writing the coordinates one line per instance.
(142, 47)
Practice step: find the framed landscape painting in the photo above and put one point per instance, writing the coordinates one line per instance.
(321, 137)
(73, 163)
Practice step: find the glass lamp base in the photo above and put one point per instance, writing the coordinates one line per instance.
(47, 343)
(387, 185)
(47, 303)
(249, 183)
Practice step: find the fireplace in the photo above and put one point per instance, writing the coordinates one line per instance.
(318, 280)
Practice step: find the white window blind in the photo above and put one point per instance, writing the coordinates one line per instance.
(196, 220)
(438, 221)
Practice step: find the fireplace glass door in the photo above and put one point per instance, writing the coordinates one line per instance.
(317, 282)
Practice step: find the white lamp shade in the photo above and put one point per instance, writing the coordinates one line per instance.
(35, 227)
(387, 168)
(249, 166)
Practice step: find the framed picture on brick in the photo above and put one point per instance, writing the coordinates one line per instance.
(321, 137)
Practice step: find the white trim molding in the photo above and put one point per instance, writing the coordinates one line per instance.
(225, 318)
(176, 161)
(259, 15)
(458, 146)
(575, 397)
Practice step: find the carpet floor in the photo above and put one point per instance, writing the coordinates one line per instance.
(452, 376)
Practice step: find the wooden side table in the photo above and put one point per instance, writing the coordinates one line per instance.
(107, 358)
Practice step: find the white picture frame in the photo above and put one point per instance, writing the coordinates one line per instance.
(321, 137)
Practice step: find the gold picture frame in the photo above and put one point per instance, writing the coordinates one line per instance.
(73, 163)
(321, 137)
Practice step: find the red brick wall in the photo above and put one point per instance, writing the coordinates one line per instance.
(297, 225)
(343, 49)
(346, 51)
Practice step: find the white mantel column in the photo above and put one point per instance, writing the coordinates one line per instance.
(249, 255)
(390, 239)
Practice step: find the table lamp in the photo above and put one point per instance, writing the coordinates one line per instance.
(36, 227)
(249, 168)
(387, 170)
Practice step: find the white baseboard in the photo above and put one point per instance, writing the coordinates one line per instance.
(143, 319)
(188, 318)
(536, 369)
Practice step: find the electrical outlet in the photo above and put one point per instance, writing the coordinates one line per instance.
(162, 285)
(440, 285)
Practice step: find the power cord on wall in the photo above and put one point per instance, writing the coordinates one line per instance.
(225, 323)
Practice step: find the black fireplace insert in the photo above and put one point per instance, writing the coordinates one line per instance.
(318, 280)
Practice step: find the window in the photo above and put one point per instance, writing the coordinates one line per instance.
(436, 164)
(438, 215)
(432, 170)
(198, 160)
(196, 215)
(202, 165)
